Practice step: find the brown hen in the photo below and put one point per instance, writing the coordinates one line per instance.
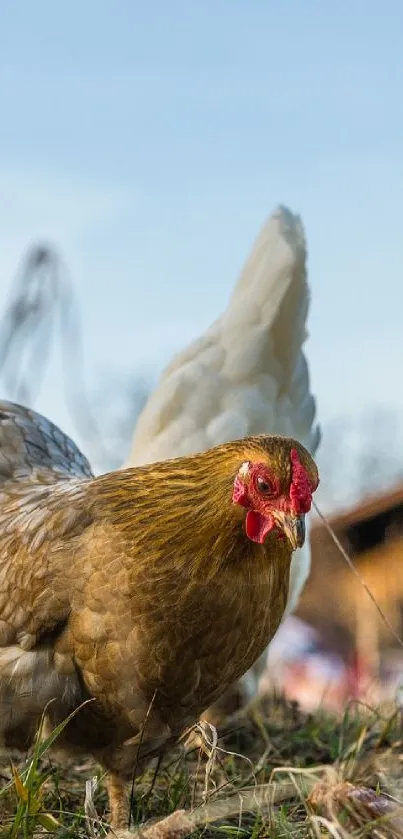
(147, 590)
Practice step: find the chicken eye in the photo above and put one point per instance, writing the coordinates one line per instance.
(264, 486)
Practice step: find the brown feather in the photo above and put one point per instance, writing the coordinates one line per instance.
(136, 587)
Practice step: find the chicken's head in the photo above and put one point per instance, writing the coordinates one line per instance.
(276, 490)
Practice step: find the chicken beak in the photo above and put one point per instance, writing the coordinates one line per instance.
(293, 528)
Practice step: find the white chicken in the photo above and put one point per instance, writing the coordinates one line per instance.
(246, 375)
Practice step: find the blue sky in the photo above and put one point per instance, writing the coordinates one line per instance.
(149, 141)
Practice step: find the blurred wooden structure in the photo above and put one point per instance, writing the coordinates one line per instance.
(335, 602)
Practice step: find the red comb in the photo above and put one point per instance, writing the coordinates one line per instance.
(301, 486)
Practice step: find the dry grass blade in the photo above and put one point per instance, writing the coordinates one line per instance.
(205, 729)
(91, 815)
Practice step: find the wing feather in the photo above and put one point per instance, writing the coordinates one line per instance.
(42, 503)
(31, 445)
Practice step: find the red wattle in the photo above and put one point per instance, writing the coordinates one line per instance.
(257, 526)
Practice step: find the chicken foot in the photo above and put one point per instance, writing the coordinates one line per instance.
(118, 797)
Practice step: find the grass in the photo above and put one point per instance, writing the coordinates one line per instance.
(274, 772)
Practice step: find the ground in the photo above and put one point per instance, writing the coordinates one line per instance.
(276, 772)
